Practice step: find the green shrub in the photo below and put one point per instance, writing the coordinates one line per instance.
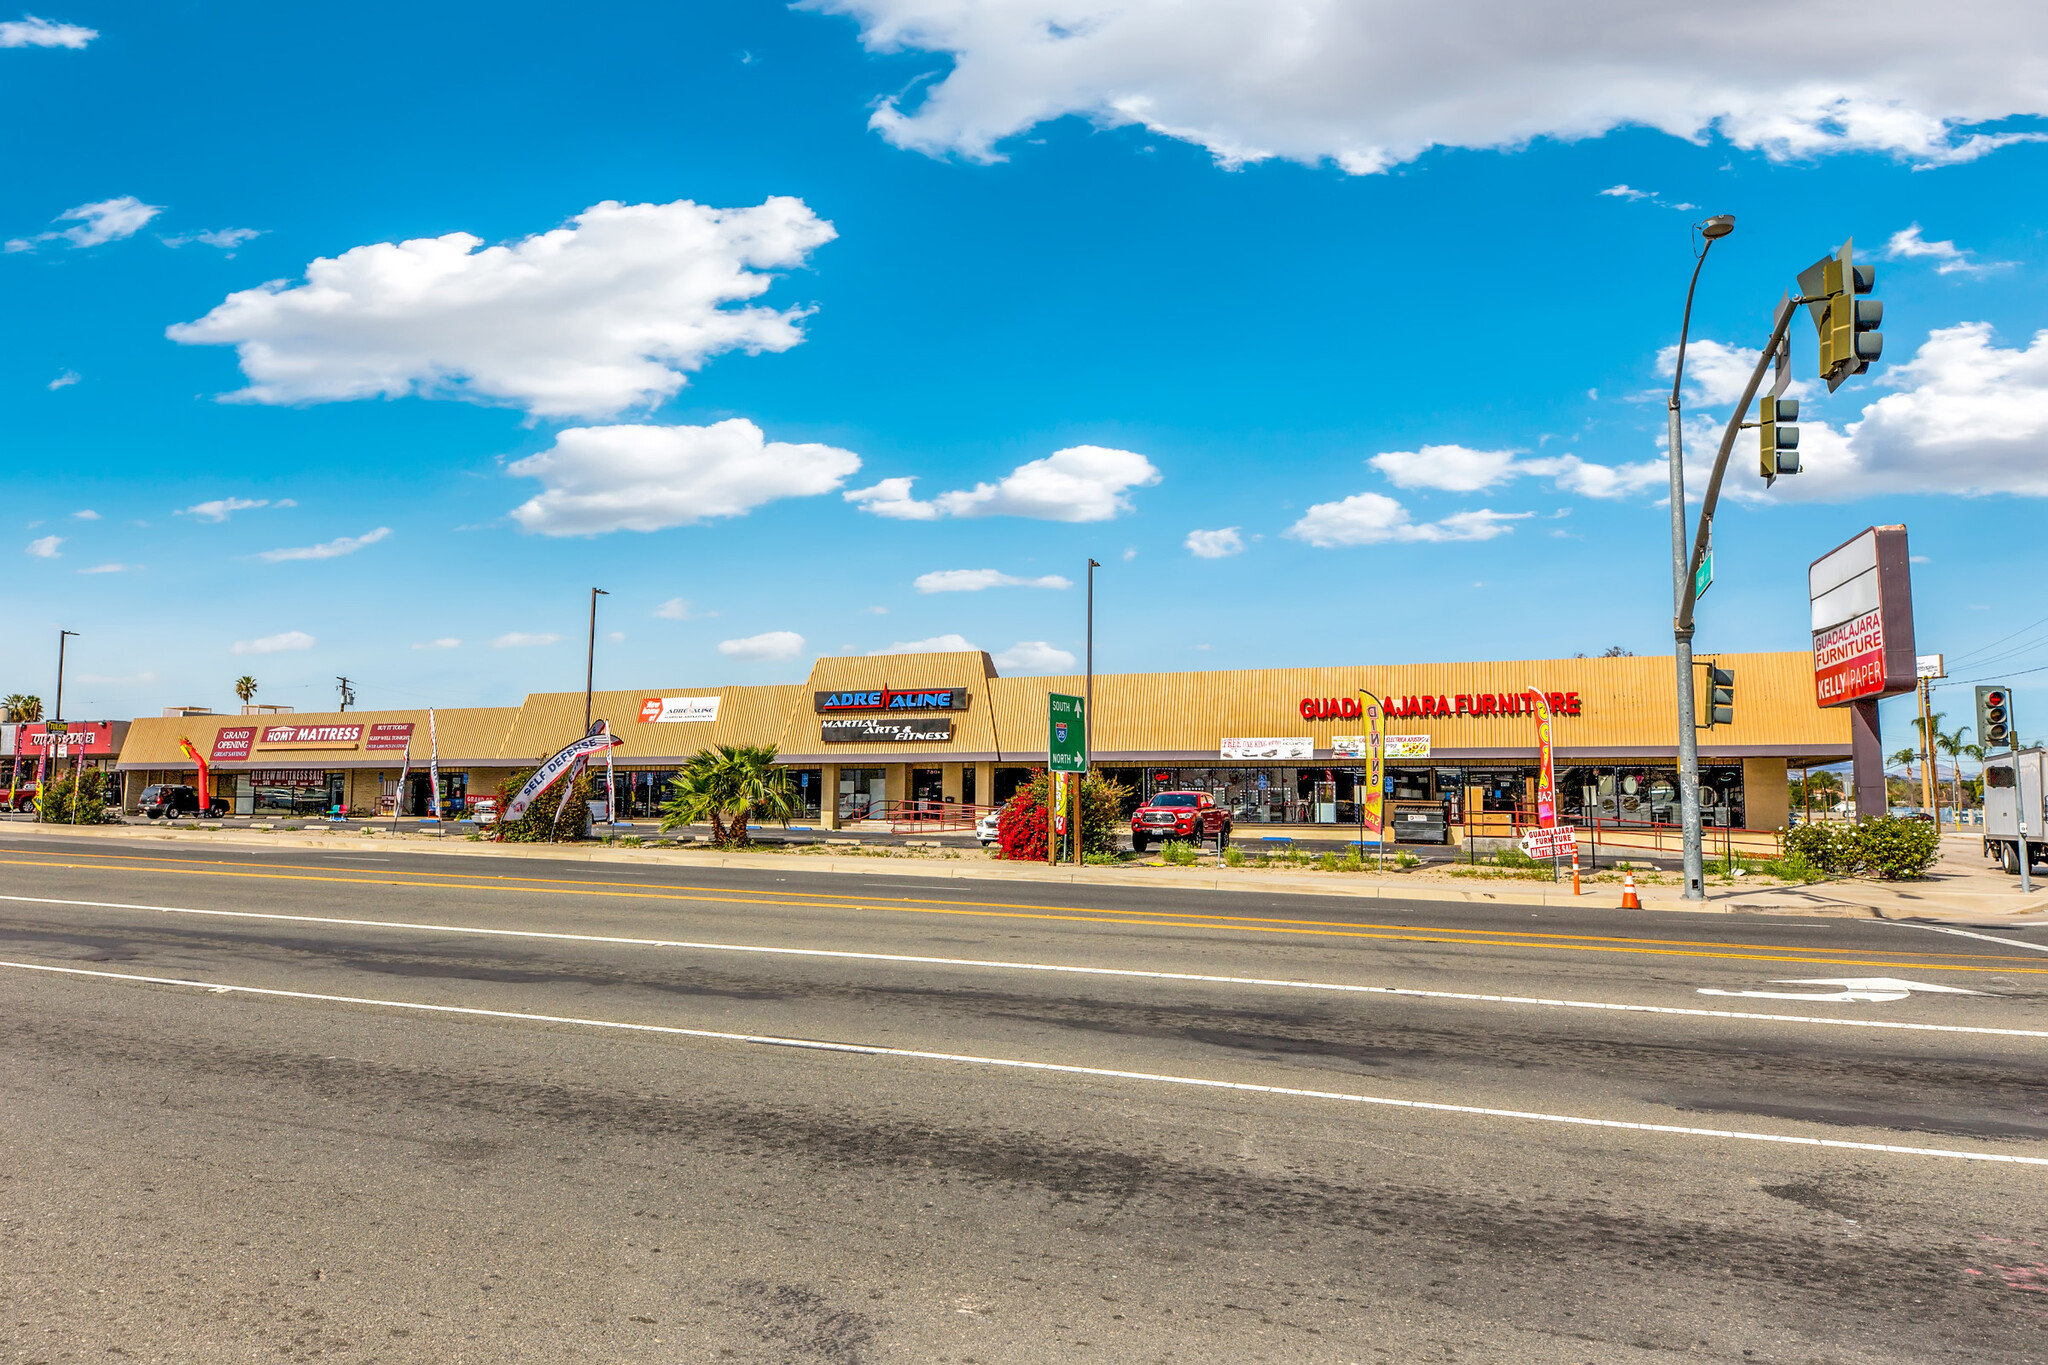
(1829, 847)
(1896, 849)
(1406, 860)
(1233, 856)
(538, 825)
(1179, 853)
(76, 800)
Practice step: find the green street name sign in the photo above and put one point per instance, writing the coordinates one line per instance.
(1704, 578)
(1066, 734)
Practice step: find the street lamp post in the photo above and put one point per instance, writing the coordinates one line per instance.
(1712, 230)
(61, 635)
(1088, 691)
(590, 659)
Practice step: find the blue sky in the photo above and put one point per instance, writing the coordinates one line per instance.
(1034, 256)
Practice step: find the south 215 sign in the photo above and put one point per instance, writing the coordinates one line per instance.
(890, 699)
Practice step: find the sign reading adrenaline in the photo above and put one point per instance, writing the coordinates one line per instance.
(891, 699)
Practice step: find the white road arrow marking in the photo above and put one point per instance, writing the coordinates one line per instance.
(1872, 989)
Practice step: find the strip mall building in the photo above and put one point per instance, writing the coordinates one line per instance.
(863, 735)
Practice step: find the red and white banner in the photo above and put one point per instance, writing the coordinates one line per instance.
(556, 768)
(232, 743)
(1848, 660)
(389, 736)
(1555, 842)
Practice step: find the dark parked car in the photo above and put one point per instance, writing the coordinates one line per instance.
(167, 801)
(1178, 815)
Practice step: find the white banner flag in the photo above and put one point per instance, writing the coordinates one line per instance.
(552, 771)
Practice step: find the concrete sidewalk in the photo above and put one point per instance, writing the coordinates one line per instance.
(1959, 890)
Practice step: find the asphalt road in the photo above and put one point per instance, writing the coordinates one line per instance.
(424, 1108)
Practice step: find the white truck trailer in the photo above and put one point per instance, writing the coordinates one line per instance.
(2015, 811)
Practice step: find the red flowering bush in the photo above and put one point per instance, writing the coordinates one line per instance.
(1020, 831)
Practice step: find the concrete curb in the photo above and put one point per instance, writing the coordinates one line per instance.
(1809, 902)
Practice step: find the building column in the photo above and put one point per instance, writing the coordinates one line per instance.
(895, 783)
(828, 798)
(1766, 793)
(949, 780)
(984, 784)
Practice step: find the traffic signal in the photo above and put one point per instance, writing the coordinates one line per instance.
(1994, 717)
(1720, 696)
(1847, 322)
(1778, 441)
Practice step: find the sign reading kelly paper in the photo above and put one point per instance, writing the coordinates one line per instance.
(678, 710)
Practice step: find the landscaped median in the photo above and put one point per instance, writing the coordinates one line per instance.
(1290, 874)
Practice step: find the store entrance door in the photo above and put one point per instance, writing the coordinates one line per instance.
(928, 788)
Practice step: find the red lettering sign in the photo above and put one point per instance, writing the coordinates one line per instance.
(1458, 704)
(390, 736)
(232, 743)
(1848, 660)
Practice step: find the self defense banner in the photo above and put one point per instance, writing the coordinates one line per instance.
(553, 771)
(1373, 791)
(205, 776)
(1546, 764)
(433, 762)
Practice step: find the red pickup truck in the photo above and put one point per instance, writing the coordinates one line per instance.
(1179, 815)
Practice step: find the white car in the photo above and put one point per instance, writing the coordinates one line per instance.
(989, 827)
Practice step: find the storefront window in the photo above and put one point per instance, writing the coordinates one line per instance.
(1501, 791)
(1408, 784)
(1008, 780)
(861, 794)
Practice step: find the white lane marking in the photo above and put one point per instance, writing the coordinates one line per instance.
(1469, 997)
(1873, 989)
(1965, 933)
(1019, 1064)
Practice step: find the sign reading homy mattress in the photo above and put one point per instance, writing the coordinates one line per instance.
(311, 736)
(888, 699)
(879, 730)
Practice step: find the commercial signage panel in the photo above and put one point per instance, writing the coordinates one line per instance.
(890, 699)
(1407, 746)
(882, 730)
(232, 743)
(392, 736)
(287, 777)
(311, 737)
(1271, 747)
(678, 710)
(1861, 600)
(90, 737)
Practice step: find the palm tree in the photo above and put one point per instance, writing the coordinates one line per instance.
(728, 785)
(1952, 745)
(245, 688)
(21, 707)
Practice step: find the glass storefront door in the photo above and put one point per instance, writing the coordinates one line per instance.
(861, 794)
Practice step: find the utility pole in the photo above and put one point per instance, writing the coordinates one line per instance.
(61, 634)
(1711, 230)
(590, 659)
(348, 694)
(1927, 758)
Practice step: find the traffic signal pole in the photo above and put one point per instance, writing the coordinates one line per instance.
(1683, 569)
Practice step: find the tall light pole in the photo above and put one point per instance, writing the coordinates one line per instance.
(61, 634)
(1088, 691)
(590, 660)
(1712, 230)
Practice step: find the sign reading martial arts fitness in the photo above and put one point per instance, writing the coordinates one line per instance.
(877, 730)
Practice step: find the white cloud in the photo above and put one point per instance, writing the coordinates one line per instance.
(85, 514)
(1970, 417)
(679, 609)
(108, 568)
(220, 509)
(768, 647)
(1034, 656)
(1907, 244)
(332, 549)
(1369, 86)
(445, 642)
(46, 547)
(519, 639)
(938, 644)
(29, 31)
(1715, 372)
(1456, 469)
(110, 220)
(1624, 192)
(608, 313)
(1080, 483)
(227, 239)
(275, 644)
(1373, 518)
(63, 381)
(1215, 544)
(975, 580)
(645, 478)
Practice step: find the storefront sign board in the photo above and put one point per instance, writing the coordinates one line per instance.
(1066, 734)
(678, 710)
(1270, 747)
(890, 699)
(288, 777)
(1861, 598)
(70, 739)
(880, 730)
(232, 743)
(389, 737)
(310, 737)
(1407, 746)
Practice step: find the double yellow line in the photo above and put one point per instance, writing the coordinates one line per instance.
(1399, 933)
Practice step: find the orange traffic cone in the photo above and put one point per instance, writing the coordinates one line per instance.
(1628, 892)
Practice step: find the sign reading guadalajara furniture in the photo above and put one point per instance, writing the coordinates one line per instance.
(1459, 704)
(877, 730)
(1862, 596)
(891, 699)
